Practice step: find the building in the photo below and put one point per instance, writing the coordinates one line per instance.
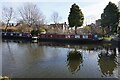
(118, 30)
(119, 11)
(98, 23)
(119, 6)
(61, 26)
(92, 25)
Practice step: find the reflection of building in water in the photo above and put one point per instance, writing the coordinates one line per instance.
(107, 63)
(108, 52)
(74, 59)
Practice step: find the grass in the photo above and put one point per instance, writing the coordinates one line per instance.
(107, 38)
(4, 78)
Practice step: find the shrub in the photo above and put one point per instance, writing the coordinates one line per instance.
(35, 32)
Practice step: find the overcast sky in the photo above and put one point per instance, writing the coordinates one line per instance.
(91, 9)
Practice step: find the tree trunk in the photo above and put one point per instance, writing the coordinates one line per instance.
(6, 26)
(75, 30)
(109, 30)
(103, 32)
(71, 31)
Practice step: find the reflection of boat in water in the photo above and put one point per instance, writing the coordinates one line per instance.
(74, 59)
(35, 39)
(107, 62)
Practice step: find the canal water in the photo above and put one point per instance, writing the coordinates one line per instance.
(54, 60)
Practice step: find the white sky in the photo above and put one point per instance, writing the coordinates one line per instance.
(92, 9)
(115, 1)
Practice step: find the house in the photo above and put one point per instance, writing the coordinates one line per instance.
(62, 26)
(118, 28)
(98, 23)
(59, 28)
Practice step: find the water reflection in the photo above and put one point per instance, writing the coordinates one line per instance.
(107, 61)
(48, 59)
(74, 59)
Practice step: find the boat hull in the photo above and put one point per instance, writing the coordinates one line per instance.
(51, 38)
(64, 40)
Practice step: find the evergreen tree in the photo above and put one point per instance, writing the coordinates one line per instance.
(110, 18)
(75, 17)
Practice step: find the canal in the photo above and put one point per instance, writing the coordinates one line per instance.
(53, 60)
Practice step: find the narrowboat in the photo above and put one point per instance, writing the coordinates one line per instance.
(70, 38)
(79, 38)
(16, 35)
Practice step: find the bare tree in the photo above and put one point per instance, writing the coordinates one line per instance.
(7, 15)
(55, 17)
(31, 15)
